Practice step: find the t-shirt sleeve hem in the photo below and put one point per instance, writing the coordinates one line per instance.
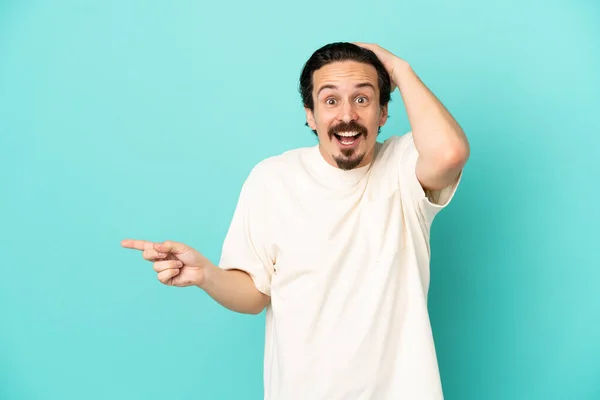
(439, 199)
(261, 283)
(431, 202)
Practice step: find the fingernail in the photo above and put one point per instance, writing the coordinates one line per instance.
(179, 263)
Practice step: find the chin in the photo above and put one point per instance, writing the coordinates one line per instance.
(347, 161)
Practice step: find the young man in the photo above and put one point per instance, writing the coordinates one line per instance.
(334, 239)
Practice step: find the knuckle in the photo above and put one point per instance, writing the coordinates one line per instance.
(166, 274)
(149, 254)
(163, 277)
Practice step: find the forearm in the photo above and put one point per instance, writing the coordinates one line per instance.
(233, 289)
(439, 139)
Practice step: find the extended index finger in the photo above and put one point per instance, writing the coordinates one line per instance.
(136, 244)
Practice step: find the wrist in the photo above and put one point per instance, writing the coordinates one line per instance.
(206, 275)
(400, 70)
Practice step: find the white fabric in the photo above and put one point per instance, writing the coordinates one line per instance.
(344, 256)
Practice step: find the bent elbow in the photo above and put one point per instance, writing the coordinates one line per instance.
(260, 305)
(456, 156)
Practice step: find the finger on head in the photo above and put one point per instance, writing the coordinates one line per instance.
(160, 266)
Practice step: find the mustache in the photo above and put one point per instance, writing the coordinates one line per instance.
(351, 126)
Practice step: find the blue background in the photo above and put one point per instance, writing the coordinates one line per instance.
(142, 119)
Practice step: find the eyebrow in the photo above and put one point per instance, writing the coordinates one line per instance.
(358, 86)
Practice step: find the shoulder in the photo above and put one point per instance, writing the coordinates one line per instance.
(393, 150)
(273, 168)
(398, 142)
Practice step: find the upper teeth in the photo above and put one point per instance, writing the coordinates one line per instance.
(347, 134)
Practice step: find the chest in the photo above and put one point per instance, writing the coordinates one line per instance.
(325, 240)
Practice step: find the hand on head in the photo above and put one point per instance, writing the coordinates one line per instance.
(389, 60)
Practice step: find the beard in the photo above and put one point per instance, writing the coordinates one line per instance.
(349, 158)
(347, 163)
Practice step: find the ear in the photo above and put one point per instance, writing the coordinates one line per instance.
(310, 118)
(384, 115)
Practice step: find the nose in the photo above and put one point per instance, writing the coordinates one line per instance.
(347, 112)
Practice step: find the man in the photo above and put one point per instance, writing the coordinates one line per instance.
(333, 240)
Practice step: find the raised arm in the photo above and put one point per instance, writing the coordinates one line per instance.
(440, 141)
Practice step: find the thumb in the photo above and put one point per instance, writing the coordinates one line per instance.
(171, 247)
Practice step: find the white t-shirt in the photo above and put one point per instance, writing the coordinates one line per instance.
(344, 256)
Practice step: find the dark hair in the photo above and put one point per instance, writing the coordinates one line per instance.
(342, 51)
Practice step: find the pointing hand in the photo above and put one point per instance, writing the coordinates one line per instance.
(176, 263)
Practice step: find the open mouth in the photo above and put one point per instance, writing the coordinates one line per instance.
(348, 138)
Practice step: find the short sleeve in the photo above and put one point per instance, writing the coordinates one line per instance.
(429, 203)
(247, 245)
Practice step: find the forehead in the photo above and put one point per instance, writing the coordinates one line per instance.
(344, 74)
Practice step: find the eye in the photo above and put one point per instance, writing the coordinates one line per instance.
(330, 101)
(362, 100)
